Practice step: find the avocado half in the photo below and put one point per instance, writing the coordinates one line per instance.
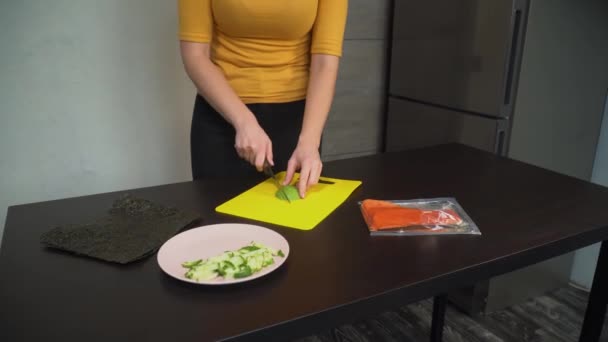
(288, 192)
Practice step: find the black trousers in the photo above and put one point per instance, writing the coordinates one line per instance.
(212, 139)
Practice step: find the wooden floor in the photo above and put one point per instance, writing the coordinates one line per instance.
(555, 317)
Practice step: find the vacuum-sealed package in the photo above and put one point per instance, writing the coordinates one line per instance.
(435, 216)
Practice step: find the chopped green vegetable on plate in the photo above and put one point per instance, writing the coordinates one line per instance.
(236, 264)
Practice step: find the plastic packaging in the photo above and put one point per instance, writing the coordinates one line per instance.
(435, 216)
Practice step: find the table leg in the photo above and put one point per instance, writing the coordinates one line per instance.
(439, 305)
(598, 299)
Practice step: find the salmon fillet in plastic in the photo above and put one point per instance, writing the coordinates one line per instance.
(386, 215)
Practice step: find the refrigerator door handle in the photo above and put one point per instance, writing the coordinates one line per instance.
(500, 143)
(515, 29)
(519, 18)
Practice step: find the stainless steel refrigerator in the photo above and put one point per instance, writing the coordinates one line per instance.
(456, 68)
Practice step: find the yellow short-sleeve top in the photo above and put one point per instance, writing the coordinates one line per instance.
(263, 47)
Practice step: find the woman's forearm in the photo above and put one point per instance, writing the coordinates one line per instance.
(212, 84)
(320, 93)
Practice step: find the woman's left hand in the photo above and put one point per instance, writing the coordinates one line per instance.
(305, 158)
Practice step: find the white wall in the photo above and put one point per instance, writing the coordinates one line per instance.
(93, 98)
(586, 258)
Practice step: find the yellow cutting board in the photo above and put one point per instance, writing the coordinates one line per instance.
(260, 203)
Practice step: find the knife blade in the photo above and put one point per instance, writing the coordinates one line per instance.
(270, 173)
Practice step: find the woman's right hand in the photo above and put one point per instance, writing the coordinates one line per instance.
(253, 144)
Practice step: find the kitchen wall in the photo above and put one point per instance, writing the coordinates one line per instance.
(92, 98)
(354, 126)
(586, 258)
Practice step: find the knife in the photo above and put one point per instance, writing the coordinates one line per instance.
(268, 171)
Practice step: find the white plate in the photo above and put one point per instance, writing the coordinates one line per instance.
(207, 241)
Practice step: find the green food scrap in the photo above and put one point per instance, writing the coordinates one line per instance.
(288, 192)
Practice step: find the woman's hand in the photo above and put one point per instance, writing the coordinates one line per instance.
(253, 144)
(306, 158)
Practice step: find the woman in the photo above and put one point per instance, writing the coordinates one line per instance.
(265, 72)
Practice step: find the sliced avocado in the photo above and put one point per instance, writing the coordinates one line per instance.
(290, 191)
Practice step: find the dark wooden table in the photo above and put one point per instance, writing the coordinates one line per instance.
(336, 272)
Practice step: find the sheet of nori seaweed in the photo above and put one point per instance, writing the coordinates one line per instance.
(131, 230)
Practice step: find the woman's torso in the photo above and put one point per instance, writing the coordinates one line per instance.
(263, 46)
